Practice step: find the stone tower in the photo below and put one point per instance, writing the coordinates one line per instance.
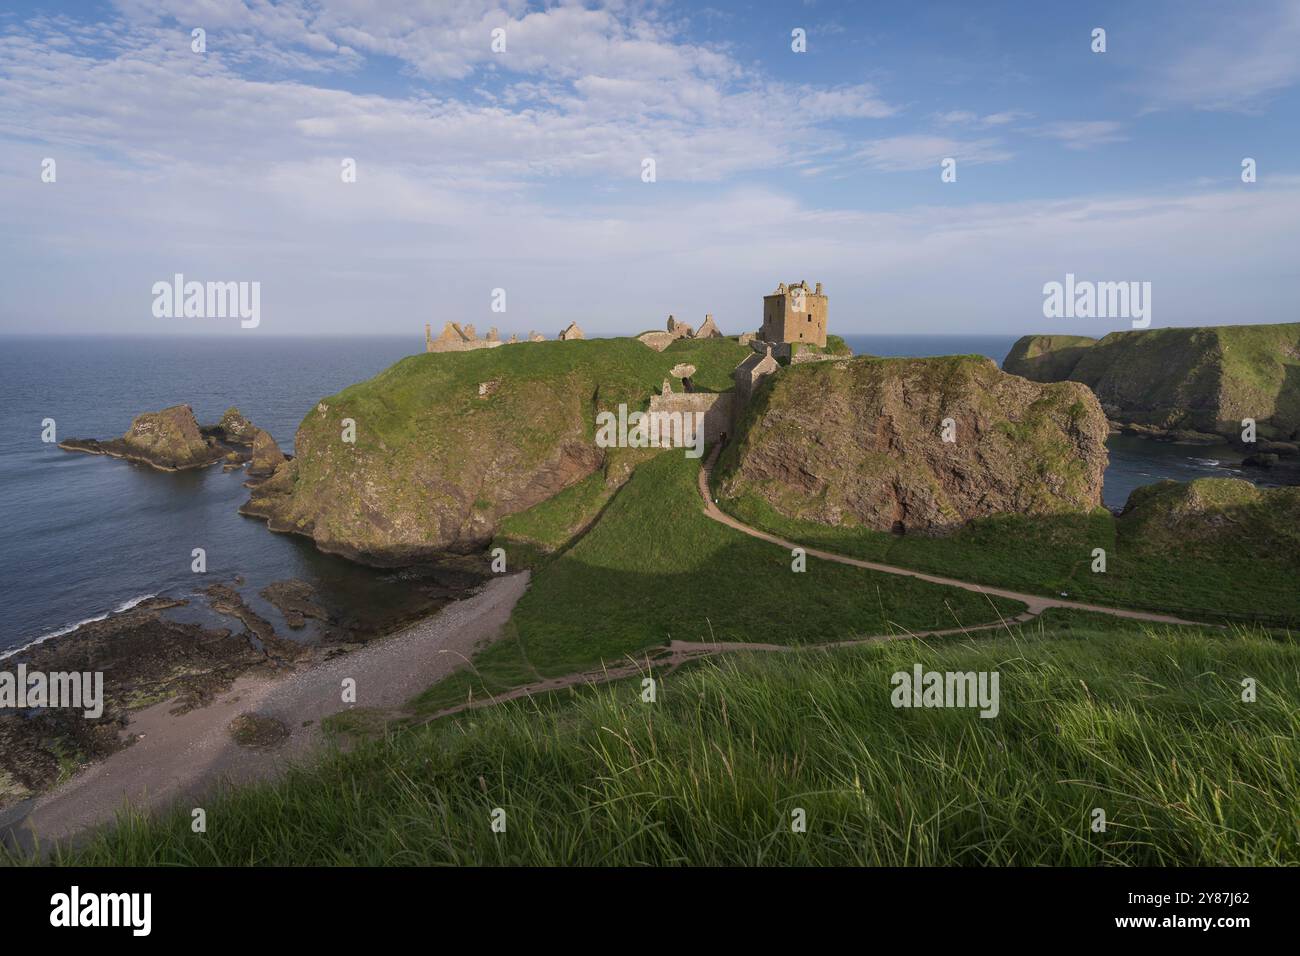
(795, 314)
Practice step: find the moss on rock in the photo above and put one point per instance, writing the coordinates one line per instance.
(861, 443)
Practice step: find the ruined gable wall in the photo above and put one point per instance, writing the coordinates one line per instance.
(716, 406)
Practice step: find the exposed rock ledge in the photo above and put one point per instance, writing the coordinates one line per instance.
(861, 443)
(172, 440)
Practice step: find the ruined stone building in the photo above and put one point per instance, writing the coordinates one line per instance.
(679, 330)
(708, 330)
(795, 314)
(717, 408)
(749, 374)
(458, 338)
(571, 332)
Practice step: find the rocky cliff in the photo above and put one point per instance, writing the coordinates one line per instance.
(266, 456)
(1179, 383)
(429, 456)
(235, 428)
(861, 443)
(169, 440)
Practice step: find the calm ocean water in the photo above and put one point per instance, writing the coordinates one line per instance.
(86, 535)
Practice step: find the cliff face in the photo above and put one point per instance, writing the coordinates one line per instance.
(169, 440)
(266, 455)
(1194, 380)
(235, 428)
(860, 442)
(446, 445)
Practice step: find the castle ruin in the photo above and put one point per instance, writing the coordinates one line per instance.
(679, 330)
(795, 314)
(458, 338)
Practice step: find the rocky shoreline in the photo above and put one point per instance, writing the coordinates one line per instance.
(173, 440)
(147, 657)
(1271, 462)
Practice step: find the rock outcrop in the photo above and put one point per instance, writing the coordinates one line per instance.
(1179, 383)
(169, 440)
(1215, 516)
(235, 429)
(860, 442)
(266, 455)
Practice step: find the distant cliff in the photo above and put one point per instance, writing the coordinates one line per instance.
(861, 443)
(1179, 382)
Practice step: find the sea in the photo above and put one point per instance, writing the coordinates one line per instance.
(83, 536)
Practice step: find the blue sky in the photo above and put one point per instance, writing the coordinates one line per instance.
(522, 170)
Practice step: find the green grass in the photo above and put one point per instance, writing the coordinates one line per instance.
(436, 465)
(654, 568)
(1147, 725)
(1053, 555)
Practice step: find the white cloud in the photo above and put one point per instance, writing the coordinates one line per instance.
(1083, 134)
(922, 151)
(527, 177)
(970, 118)
(1233, 62)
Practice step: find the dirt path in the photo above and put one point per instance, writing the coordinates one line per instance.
(1036, 603)
(186, 756)
(679, 652)
(676, 653)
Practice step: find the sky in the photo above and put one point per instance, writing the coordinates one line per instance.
(524, 169)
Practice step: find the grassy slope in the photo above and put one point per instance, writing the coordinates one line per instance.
(1147, 726)
(655, 568)
(1053, 555)
(1046, 358)
(1204, 378)
(425, 439)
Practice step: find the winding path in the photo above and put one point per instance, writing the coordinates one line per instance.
(1036, 603)
(679, 652)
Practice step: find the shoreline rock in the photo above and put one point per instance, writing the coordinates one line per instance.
(144, 657)
(169, 440)
(296, 601)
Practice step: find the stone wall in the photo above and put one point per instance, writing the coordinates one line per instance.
(457, 338)
(716, 406)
